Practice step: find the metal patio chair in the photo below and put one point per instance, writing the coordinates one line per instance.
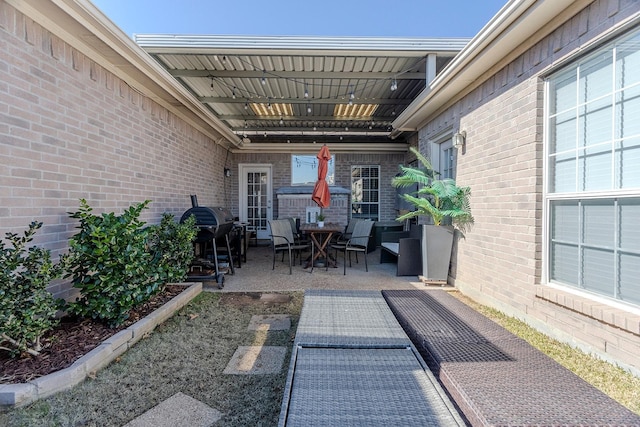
(282, 240)
(341, 240)
(358, 242)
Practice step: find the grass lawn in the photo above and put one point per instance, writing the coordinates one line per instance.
(186, 354)
(189, 352)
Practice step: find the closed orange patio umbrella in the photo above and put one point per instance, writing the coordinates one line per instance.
(321, 194)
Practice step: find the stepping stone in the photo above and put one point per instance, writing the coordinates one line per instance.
(178, 410)
(256, 360)
(275, 298)
(270, 322)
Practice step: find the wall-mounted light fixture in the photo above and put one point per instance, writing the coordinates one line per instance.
(459, 139)
(227, 172)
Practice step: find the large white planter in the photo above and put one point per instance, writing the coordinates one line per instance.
(437, 242)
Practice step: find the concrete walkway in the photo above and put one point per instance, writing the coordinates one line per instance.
(256, 275)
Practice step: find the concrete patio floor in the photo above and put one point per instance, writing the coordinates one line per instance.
(256, 275)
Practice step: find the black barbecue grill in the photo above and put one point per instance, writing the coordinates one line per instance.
(214, 224)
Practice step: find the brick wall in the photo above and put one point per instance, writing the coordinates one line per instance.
(500, 261)
(295, 206)
(502, 165)
(281, 167)
(69, 129)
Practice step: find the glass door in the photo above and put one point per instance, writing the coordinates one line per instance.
(256, 198)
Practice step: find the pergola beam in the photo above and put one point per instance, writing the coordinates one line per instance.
(321, 130)
(312, 101)
(253, 74)
(304, 118)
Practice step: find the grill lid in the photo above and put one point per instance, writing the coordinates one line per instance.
(210, 217)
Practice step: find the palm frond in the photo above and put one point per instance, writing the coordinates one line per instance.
(410, 176)
(435, 198)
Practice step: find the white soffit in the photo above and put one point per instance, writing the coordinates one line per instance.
(512, 26)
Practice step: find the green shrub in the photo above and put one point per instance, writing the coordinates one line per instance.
(172, 246)
(27, 308)
(109, 263)
(118, 264)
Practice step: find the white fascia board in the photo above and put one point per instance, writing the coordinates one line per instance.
(286, 45)
(512, 26)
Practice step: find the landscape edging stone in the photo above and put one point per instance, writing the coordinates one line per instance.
(19, 394)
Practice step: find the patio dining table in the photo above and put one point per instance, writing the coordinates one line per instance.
(320, 238)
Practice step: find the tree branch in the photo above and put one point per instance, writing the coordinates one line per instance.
(17, 344)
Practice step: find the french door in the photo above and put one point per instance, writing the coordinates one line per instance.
(256, 204)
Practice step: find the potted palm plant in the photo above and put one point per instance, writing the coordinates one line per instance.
(445, 204)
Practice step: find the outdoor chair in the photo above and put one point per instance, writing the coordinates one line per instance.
(341, 240)
(298, 237)
(348, 231)
(282, 240)
(358, 242)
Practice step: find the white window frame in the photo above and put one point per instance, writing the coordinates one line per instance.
(439, 148)
(309, 162)
(351, 183)
(580, 195)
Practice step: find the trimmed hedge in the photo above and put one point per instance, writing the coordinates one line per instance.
(117, 263)
(27, 308)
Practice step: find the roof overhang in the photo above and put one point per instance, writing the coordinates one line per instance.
(515, 28)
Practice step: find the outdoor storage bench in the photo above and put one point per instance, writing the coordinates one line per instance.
(403, 247)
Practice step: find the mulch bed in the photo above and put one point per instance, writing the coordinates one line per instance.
(70, 340)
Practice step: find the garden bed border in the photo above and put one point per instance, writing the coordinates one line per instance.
(19, 394)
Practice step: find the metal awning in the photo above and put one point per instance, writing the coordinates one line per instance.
(274, 90)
